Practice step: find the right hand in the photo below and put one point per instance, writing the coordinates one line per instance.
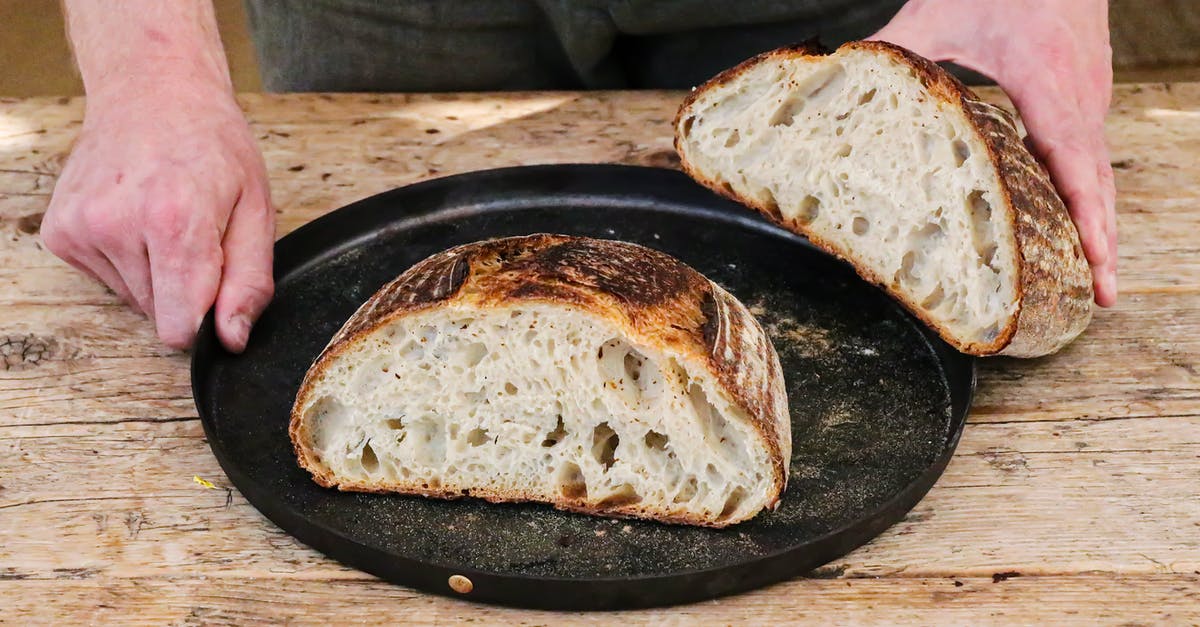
(1053, 59)
(165, 199)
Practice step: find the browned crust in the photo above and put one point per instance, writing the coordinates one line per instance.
(564, 503)
(1054, 283)
(656, 299)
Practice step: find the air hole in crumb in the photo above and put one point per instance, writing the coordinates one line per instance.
(477, 436)
(733, 139)
(928, 233)
(687, 492)
(370, 462)
(787, 111)
(732, 503)
(623, 495)
(981, 217)
(394, 424)
(839, 131)
(908, 263)
(844, 151)
(961, 152)
(633, 365)
(824, 87)
(555, 436)
(571, 483)
(510, 389)
(473, 354)
(867, 97)
(604, 445)
(687, 123)
(935, 298)
(860, 226)
(809, 210)
(656, 440)
(769, 203)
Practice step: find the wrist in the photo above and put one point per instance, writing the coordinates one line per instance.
(157, 87)
(162, 46)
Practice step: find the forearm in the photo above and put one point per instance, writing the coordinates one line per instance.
(120, 43)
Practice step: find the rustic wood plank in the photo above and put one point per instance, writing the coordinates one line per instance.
(1078, 600)
(1141, 358)
(117, 498)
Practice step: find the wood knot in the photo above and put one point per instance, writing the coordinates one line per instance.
(664, 158)
(21, 352)
(30, 224)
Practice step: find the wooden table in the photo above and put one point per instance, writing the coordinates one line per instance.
(1075, 494)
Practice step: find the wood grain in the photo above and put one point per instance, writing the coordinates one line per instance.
(1080, 471)
(194, 600)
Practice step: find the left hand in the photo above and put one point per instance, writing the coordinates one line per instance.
(1053, 59)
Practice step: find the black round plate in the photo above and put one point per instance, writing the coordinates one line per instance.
(877, 401)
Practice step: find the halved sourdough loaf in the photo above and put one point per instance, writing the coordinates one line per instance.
(599, 376)
(884, 159)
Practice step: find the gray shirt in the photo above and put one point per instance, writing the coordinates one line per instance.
(469, 45)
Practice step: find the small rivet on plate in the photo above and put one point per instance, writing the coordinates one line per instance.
(461, 584)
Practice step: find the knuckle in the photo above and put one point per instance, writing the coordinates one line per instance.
(56, 237)
(101, 225)
(166, 222)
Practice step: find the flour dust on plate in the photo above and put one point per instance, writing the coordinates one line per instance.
(877, 402)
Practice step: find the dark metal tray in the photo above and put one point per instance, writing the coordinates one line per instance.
(877, 401)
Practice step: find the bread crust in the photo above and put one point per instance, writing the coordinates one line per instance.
(1054, 282)
(653, 298)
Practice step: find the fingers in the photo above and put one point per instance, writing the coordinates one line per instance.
(94, 264)
(83, 256)
(1074, 153)
(185, 268)
(247, 283)
(1074, 174)
(1105, 277)
(131, 261)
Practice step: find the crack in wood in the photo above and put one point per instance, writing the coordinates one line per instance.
(101, 422)
(984, 423)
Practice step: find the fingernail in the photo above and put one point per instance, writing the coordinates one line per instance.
(241, 329)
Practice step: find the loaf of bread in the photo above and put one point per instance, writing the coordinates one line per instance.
(882, 158)
(598, 376)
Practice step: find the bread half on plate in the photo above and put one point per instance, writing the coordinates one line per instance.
(598, 376)
(882, 158)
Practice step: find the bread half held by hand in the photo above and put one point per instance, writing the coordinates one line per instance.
(598, 376)
(882, 158)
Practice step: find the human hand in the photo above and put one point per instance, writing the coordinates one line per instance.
(1053, 59)
(165, 199)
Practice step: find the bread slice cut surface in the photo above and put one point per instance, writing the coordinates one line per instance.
(885, 160)
(597, 376)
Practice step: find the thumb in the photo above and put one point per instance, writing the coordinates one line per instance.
(247, 283)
